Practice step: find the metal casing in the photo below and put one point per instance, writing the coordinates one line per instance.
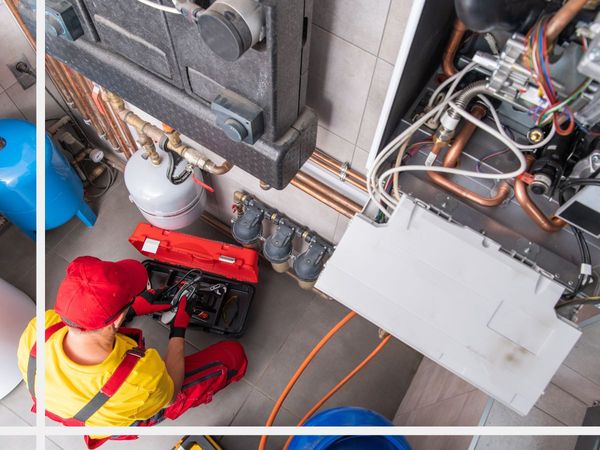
(159, 63)
(163, 204)
(455, 296)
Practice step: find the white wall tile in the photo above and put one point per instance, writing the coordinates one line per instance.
(356, 21)
(8, 110)
(14, 45)
(334, 145)
(394, 29)
(24, 99)
(379, 86)
(339, 80)
(340, 228)
(359, 160)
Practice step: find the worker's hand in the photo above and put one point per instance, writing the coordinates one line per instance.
(182, 319)
(149, 302)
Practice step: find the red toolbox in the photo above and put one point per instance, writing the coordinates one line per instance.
(179, 258)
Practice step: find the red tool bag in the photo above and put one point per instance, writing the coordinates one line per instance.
(178, 257)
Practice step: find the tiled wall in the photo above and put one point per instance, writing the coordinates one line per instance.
(354, 46)
(16, 102)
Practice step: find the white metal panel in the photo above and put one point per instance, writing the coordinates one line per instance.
(451, 294)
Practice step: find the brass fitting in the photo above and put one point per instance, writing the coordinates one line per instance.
(149, 148)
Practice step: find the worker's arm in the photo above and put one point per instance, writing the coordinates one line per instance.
(175, 357)
(175, 362)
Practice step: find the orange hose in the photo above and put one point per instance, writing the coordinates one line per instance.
(298, 373)
(340, 385)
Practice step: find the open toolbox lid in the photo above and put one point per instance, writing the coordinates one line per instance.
(219, 258)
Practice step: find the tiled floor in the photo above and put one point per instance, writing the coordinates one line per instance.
(284, 324)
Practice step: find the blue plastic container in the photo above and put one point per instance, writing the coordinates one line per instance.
(348, 416)
(64, 190)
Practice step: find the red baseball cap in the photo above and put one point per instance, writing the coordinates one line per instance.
(95, 292)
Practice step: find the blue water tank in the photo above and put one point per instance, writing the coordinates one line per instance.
(348, 416)
(64, 190)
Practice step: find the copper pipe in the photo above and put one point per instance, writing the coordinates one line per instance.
(333, 170)
(561, 19)
(458, 32)
(451, 159)
(461, 140)
(112, 133)
(106, 120)
(322, 198)
(122, 126)
(325, 194)
(58, 82)
(14, 10)
(551, 225)
(350, 173)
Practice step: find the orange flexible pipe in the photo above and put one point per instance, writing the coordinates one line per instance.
(340, 385)
(299, 371)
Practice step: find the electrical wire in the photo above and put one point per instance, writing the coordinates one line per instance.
(456, 78)
(499, 176)
(263, 440)
(340, 385)
(498, 122)
(160, 7)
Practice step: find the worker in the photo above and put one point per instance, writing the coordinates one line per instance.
(99, 373)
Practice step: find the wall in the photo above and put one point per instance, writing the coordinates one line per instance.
(354, 46)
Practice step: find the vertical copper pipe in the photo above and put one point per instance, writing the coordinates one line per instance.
(53, 72)
(105, 120)
(458, 32)
(459, 143)
(14, 10)
(561, 19)
(122, 126)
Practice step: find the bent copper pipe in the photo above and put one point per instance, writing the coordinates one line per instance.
(451, 159)
(561, 19)
(458, 31)
(550, 225)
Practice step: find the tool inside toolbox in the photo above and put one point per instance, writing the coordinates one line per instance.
(217, 304)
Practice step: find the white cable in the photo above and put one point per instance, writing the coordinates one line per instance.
(381, 197)
(160, 7)
(447, 81)
(522, 147)
(522, 166)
